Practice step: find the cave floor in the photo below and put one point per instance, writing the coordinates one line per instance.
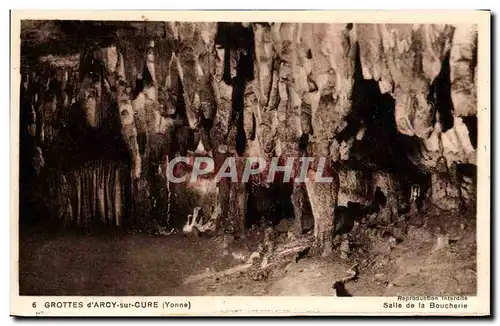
(148, 265)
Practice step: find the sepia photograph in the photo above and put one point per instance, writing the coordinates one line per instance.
(256, 158)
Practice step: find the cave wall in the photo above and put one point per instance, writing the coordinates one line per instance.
(389, 105)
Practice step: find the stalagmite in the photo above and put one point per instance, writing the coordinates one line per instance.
(239, 198)
(333, 50)
(298, 198)
(86, 195)
(445, 193)
(388, 185)
(118, 199)
(101, 199)
(291, 121)
(322, 203)
(78, 206)
(353, 187)
(220, 134)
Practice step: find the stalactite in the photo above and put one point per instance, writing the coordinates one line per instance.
(266, 117)
(78, 208)
(463, 70)
(223, 97)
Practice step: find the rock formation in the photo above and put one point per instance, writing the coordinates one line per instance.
(386, 105)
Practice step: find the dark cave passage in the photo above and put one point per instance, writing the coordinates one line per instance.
(271, 204)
